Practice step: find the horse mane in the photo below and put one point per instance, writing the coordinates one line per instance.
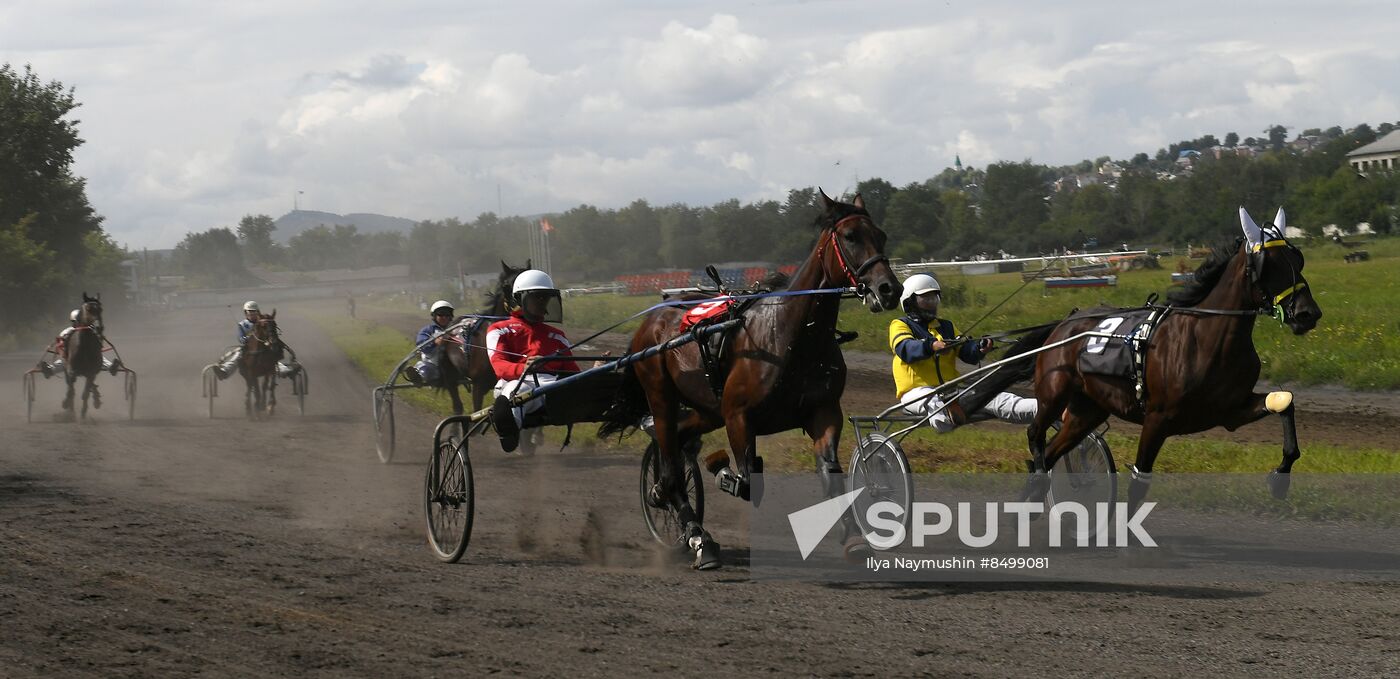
(1207, 275)
(491, 299)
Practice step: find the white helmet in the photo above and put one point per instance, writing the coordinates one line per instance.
(918, 284)
(532, 279)
(440, 304)
(250, 305)
(73, 316)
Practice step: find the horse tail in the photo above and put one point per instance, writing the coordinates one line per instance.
(628, 408)
(1007, 375)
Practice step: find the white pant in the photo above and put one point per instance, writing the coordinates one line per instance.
(1005, 406)
(511, 387)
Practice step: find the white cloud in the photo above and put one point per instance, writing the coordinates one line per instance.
(194, 116)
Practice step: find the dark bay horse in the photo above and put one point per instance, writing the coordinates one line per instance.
(1200, 363)
(261, 351)
(465, 351)
(784, 370)
(82, 353)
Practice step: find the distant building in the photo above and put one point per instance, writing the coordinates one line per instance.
(1381, 155)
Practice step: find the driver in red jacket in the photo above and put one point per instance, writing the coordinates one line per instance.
(518, 343)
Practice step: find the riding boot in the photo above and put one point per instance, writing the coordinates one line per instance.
(503, 416)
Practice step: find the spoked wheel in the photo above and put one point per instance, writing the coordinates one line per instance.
(1085, 475)
(300, 384)
(449, 500)
(384, 424)
(662, 521)
(130, 390)
(29, 397)
(880, 467)
(211, 388)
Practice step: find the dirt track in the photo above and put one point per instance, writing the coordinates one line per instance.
(176, 545)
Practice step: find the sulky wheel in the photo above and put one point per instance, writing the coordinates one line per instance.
(880, 467)
(384, 424)
(29, 397)
(449, 500)
(1085, 475)
(662, 521)
(129, 387)
(211, 389)
(300, 385)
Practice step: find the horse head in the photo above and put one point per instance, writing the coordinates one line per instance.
(90, 313)
(853, 253)
(499, 299)
(265, 330)
(1275, 269)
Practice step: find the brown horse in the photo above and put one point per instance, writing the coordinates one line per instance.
(82, 353)
(262, 349)
(784, 370)
(1200, 362)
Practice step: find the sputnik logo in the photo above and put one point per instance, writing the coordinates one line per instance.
(810, 525)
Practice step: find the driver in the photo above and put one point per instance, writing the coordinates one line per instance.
(924, 359)
(48, 369)
(251, 315)
(431, 337)
(518, 343)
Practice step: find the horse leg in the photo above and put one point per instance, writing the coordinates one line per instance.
(824, 428)
(742, 443)
(1149, 444)
(270, 382)
(1053, 391)
(1081, 417)
(1257, 408)
(664, 403)
(457, 399)
(87, 391)
(70, 378)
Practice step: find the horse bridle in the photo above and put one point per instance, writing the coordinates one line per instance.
(852, 275)
(1273, 303)
(272, 335)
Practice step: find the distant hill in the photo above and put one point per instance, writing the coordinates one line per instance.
(297, 221)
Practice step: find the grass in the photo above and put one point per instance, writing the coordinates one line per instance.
(377, 350)
(1357, 343)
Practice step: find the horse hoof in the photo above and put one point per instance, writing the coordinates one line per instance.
(856, 549)
(1278, 484)
(1037, 487)
(706, 554)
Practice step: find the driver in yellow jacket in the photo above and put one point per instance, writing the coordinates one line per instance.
(924, 359)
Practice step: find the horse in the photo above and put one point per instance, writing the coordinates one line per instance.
(783, 370)
(83, 353)
(262, 350)
(1200, 365)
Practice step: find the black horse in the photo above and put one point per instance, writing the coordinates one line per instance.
(82, 354)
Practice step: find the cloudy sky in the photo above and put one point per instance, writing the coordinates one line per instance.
(196, 113)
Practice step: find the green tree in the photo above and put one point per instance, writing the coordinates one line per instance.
(255, 233)
(45, 219)
(1232, 140)
(212, 259)
(877, 194)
